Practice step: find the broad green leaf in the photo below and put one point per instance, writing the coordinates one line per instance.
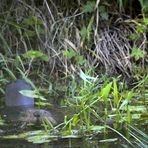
(105, 92)
(34, 54)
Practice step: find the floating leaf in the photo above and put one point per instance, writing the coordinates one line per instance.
(41, 138)
(97, 128)
(109, 140)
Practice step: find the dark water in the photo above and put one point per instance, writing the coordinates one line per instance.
(94, 141)
(61, 143)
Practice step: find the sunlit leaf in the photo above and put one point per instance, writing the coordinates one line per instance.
(124, 103)
(86, 77)
(75, 119)
(97, 128)
(145, 21)
(34, 54)
(129, 95)
(105, 92)
(32, 94)
(71, 136)
(141, 109)
(109, 140)
(141, 28)
(115, 94)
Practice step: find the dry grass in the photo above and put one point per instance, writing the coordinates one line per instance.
(108, 47)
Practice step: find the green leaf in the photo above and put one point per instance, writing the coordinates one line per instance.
(129, 95)
(141, 28)
(84, 33)
(69, 53)
(89, 7)
(134, 36)
(80, 60)
(115, 94)
(32, 94)
(97, 128)
(103, 13)
(44, 58)
(145, 20)
(105, 92)
(124, 103)
(34, 54)
(137, 53)
(29, 21)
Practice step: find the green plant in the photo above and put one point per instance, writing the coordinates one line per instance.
(34, 54)
(74, 57)
(144, 7)
(137, 54)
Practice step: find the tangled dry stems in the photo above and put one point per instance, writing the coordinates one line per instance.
(108, 47)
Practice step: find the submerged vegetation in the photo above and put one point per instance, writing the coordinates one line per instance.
(89, 57)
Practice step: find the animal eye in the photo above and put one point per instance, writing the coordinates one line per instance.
(36, 114)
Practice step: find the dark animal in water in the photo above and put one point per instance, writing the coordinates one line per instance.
(14, 98)
(21, 108)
